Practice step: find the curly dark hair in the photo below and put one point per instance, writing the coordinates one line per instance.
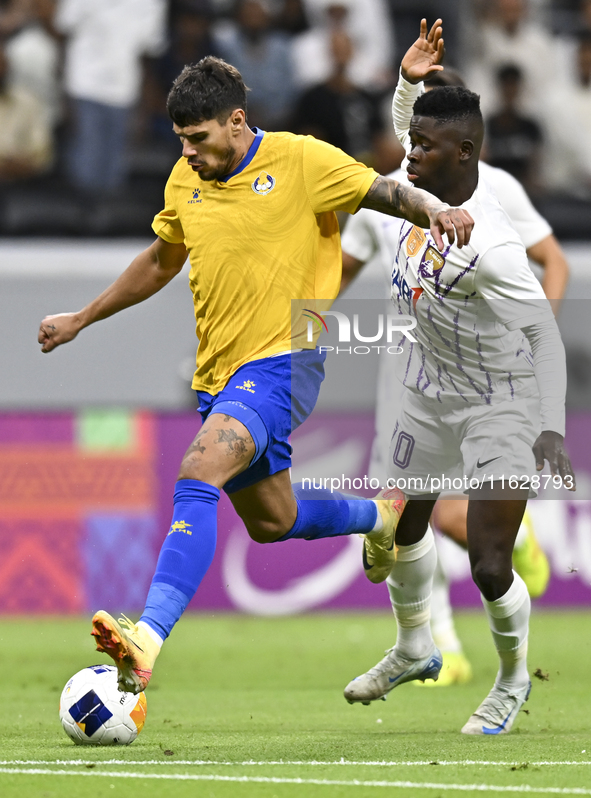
(449, 104)
(209, 89)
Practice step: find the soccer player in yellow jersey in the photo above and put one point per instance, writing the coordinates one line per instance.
(255, 213)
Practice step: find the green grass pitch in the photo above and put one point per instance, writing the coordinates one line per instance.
(253, 708)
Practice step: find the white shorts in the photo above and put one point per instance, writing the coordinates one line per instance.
(433, 445)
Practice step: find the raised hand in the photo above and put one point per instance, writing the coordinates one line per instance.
(425, 55)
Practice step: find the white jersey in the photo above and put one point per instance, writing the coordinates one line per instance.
(470, 305)
(371, 233)
(530, 225)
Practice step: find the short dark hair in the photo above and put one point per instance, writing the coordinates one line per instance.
(449, 104)
(209, 89)
(445, 77)
(509, 73)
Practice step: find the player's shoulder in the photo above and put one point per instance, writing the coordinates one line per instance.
(498, 178)
(492, 226)
(282, 141)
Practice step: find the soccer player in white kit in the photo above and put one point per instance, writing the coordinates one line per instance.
(370, 235)
(487, 345)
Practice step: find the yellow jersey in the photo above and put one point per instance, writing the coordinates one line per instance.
(258, 239)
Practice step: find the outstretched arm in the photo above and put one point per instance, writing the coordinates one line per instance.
(550, 371)
(550, 256)
(351, 268)
(150, 271)
(420, 208)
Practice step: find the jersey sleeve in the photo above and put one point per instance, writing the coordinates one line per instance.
(167, 224)
(334, 181)
(359, 239)
(405, 96)
(530, 225)
(550, 370)
(509, 287)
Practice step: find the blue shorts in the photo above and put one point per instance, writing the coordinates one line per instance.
(271, 397)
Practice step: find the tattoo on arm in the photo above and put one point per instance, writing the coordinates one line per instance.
(391, 197)
(237, 445)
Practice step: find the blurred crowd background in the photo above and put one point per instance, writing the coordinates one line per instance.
(86, 144)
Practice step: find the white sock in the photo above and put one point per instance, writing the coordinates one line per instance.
(154, 635)
(442, 622)
(508, 618)
(409, 584)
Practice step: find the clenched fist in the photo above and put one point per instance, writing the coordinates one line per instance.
(58, 329)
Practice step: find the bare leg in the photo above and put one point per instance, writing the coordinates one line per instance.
(268, 509)
(449, 516)
(222, 449)
(414, 520)
(494, 517)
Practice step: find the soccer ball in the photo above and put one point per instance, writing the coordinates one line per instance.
(93, 711)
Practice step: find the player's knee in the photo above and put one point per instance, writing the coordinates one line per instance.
(490, 575)
(195, 466)
(191, 465)
(264, 531)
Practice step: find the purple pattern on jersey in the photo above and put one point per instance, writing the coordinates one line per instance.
(410, 351)
(455, 347)
(454, 386)
(437, 341)
(395, 431)
(445, 288)
(527, 353)
(445, 341)
(402, 239)
(486, 396)
(425, 385)
(399, 277)
(510, 381)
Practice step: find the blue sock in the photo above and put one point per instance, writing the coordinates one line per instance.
(326, 514)
(185, 556)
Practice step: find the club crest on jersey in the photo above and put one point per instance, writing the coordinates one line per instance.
(415, 241)
(431, 262)
(263, 184)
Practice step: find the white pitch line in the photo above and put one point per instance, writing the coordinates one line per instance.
(409, 785)
(294, 763)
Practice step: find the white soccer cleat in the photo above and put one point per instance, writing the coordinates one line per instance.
(497, 713)
(389, 673)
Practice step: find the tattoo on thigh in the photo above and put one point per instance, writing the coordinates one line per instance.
(236, 443)
(196, 446)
